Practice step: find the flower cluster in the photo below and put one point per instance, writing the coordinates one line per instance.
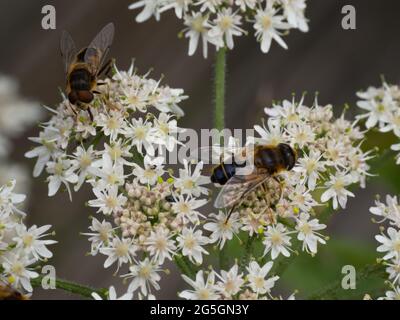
(148, 213)
(16, 114)
(21, 248)
(329, 161)
(383, 106)
(389, 241)
(218, 22)
(253, 284)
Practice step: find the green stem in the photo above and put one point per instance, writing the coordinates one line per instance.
(220, 73)
(184, 266)
(71, 287)
(332, 290)
(247, 254)
(219, 112)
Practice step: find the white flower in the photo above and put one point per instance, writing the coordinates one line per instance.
(271, 135)
(379, 112)
(390, 210)
(229, 18)
(301, 198)
(142, 135)
(393, 269)
(112, 295)
(15, 266)
(110, 173)
(191, 182)
(161, 245)
(337, 189)
(231, 281)
(301, 135)
(60, 172)
(268, 25)
(82, 164)
(153, 169)
(166, 131)
(190, 241)
(246, 3)
(108, 200)
(390, 243)
(257, 277)
(221, 228)
(119, 152)
(226, 25)
(197, 27)
(112, 124)
(145, 276)
(392, 295)
(202, 289)
(396, 147)
(150, 8)
(100, 235)
(294, 11)
(48, 147)
(185, 208)
(277, 241)
(8, 199)
(30, 240)
(120, 251)
(393, 123)
(307, 232)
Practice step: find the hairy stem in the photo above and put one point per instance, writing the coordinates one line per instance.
(71, 287)
(220, 74)
(247, 253)
(184, 266)
(332, 290)
(219, 112)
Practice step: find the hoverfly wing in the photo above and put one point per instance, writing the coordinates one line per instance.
(238, 187)
(98, 48)
(68, 50)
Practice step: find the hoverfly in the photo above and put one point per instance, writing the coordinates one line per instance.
(9, 293)
(239, 178)
(82, 68)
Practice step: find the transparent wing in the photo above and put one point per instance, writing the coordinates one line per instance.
(238, 187)
(68, 49)
(98, 48)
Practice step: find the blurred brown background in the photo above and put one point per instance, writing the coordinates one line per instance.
(328, 59)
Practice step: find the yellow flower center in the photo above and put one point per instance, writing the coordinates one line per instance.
(190, 243)
(140, 133)
(226, 23)
(111, 202)
(28, 240)
(266, 22)
(121, 249)
(85, 161)
(145, 272)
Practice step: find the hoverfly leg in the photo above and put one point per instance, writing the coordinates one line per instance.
(230, 213)
(280, 187)
(106, 68)
(90, 114)
(73, 109)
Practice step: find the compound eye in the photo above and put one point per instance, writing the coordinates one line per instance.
(85, 96)
(73, 97)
